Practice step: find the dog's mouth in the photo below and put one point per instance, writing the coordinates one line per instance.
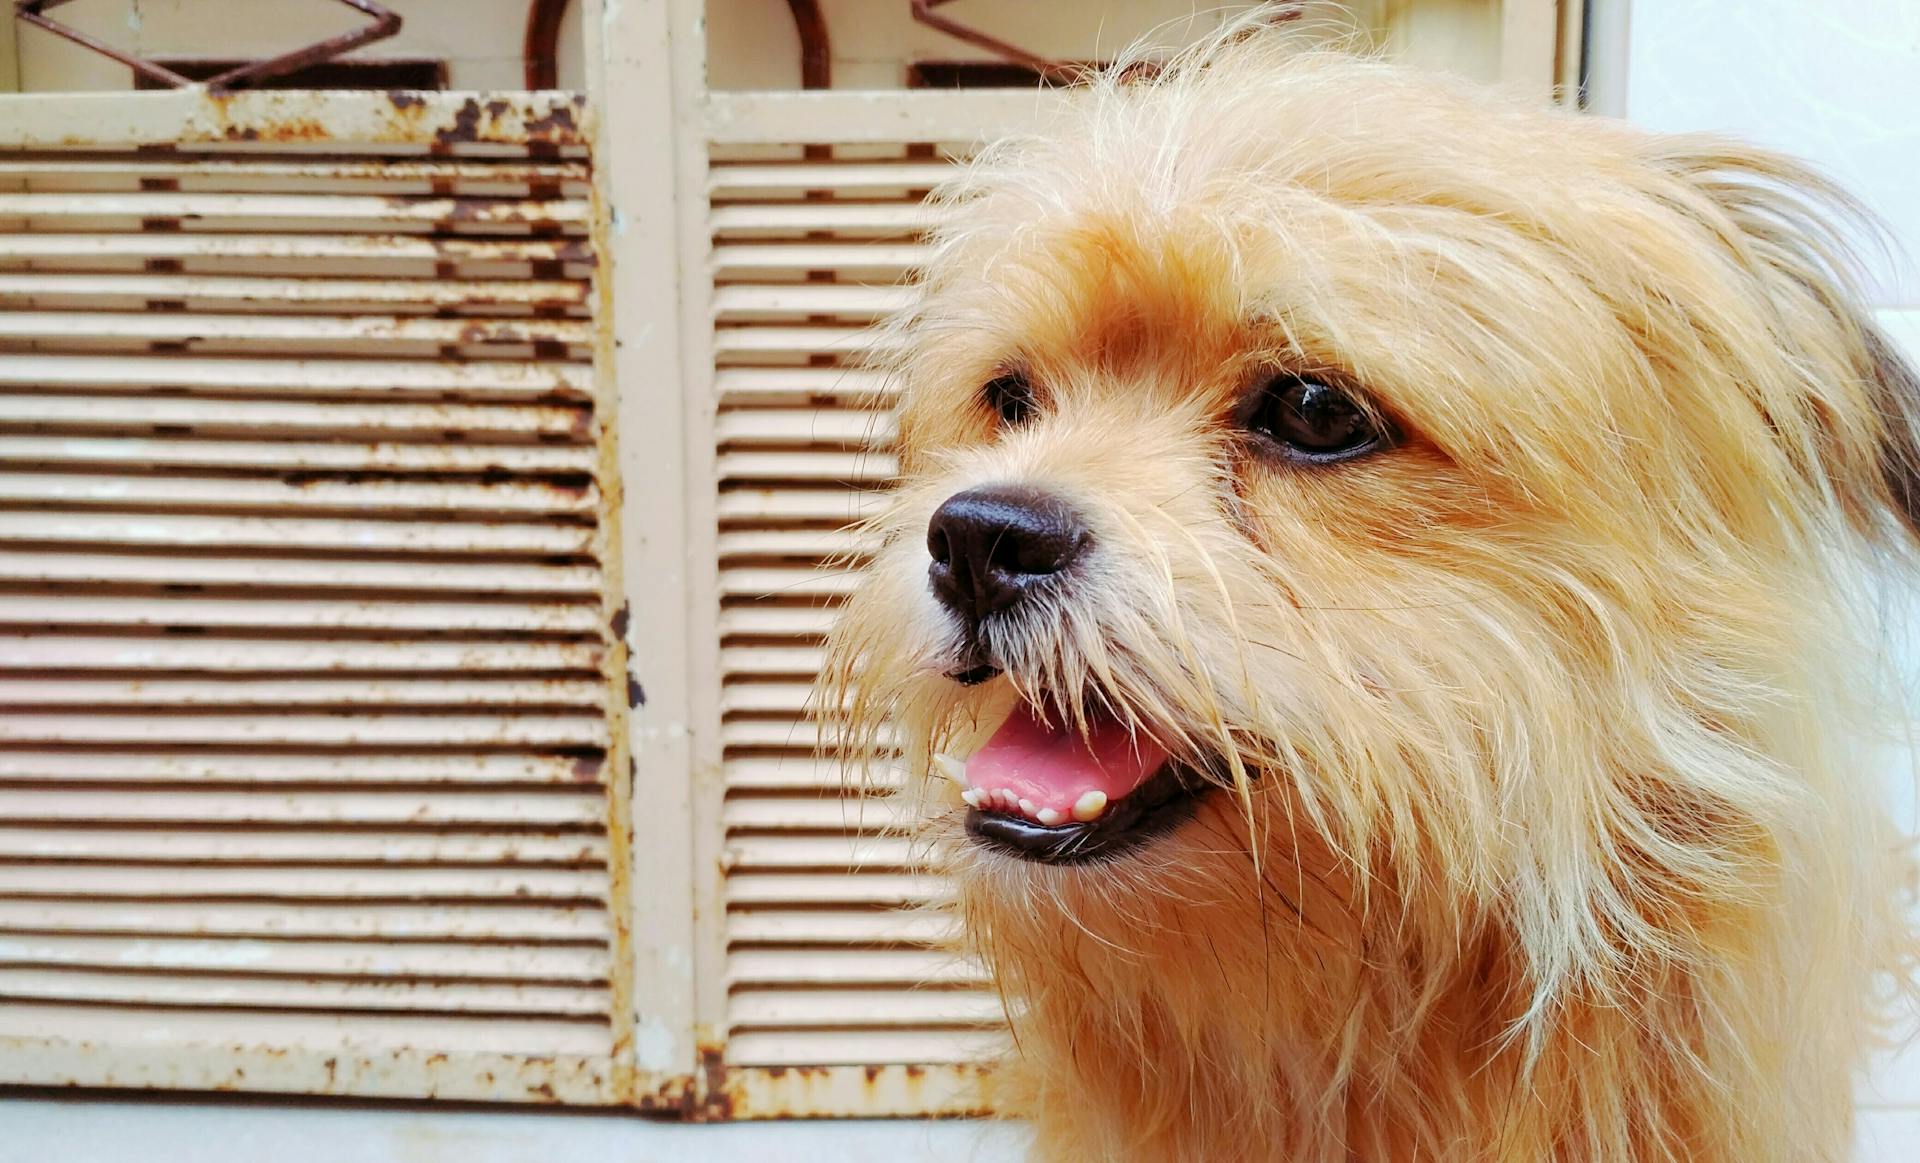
(1040, 790)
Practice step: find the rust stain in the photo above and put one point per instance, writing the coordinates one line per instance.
(465, 127)
(636, 694)
(622, 617)
(404, 99)
(559, 123)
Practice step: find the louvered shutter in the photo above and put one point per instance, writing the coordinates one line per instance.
(304, 708)
(834, 975)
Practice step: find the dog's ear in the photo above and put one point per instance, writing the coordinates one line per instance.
(1896, 389)
(1793, 233)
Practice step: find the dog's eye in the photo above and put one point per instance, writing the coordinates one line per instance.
(1313, 421)
(1011, 396)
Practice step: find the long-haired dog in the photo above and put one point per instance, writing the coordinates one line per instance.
(1383, 565)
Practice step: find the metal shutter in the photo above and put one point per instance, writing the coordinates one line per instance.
(304, 718)
(836, 999)
(822, 966)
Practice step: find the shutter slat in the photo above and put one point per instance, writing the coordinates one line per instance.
(803, 773)
(845, 179)
(123, 728)
(123, 326)
(327, 958)
(405, 497)
(830, 853)
(349, 377)
(741, 506)
(792, 342)
(742, 304)
(908, 967)
(305, 845)
(117, 453)
(875, 262)
(213, 654)
(861, 1047)
(437, 808)
(812, 544)
(369, 920)
(288, 613)
(844, 219)
(392, 1044)
(448, 767)
(840, 810)
(362, 421)
(329, 171)
(472, 212)
(793, 698)
(266, 291)
(865, 888)
(808, 465)
(840, 927)
(121, 693)
(438, 576)
(840, 1008)
(750, 621)
(801, 385)
(398, 883)
(803, 427)
(225, 533)
(95, 986)
(280, 246)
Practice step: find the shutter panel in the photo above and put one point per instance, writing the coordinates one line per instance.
(304, 711)
(833, 976)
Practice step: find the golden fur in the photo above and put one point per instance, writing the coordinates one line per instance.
(1551, 831)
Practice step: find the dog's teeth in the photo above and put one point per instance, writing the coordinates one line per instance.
(1049, 816)
(1089, 806)
(974, 797)
(1007, 801)
(1027, 809)
(951, 768)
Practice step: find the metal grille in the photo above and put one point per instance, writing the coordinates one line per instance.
(303, 703)
(824, 967)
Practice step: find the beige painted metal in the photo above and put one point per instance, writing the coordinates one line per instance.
(306, 717)
(637, 61)
(291, 117)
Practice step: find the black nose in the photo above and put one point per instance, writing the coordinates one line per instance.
(991, 545)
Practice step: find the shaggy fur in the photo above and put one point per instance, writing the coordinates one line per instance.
(1547, 830)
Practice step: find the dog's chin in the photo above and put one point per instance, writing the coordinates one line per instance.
(1166, 800)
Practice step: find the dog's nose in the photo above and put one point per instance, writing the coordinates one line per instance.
(992, 544)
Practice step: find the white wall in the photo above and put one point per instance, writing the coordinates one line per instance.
(1834, 81)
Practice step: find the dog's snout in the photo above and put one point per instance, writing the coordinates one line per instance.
(990, 545)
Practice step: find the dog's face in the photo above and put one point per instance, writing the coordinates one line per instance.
(1314, 468)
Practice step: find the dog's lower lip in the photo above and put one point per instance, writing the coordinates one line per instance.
(1159, 805)
(975, 675)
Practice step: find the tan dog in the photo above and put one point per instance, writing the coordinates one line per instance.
(1382, 563)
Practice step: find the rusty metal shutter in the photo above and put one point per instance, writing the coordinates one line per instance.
(304, 713)
(823, 968)
(832, 973)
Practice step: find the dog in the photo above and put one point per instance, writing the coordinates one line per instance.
(1379, 612)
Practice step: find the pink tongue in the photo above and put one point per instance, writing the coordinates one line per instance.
(1053, 766)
